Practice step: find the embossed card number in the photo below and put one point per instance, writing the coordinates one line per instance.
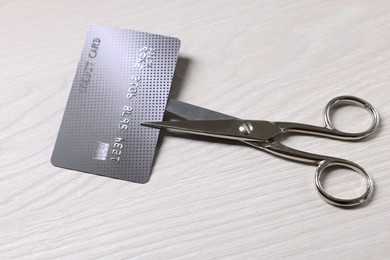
(123, 78)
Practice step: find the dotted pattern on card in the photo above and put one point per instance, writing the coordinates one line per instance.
(123, 79)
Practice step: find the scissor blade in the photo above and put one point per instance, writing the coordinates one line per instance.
(191, 112)
(227, 129)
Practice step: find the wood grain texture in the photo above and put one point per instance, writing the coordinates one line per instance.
(276, 60)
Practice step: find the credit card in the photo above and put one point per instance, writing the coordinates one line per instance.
(123, 79)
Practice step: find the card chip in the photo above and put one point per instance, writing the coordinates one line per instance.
(101, 151)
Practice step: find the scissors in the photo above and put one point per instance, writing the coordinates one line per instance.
(263, 135)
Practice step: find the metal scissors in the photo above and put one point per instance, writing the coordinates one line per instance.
(263, 135)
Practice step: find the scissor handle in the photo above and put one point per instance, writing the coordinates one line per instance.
(327, 163)
(323, 162)
(350, 100)
(329, 130)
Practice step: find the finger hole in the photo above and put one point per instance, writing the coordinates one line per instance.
(348, 114)
(342, 115)
(343, 183)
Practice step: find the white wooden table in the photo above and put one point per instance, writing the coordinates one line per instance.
(276, 60)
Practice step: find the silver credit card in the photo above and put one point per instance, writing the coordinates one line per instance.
(123, 78)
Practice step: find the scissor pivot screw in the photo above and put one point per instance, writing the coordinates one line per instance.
(245, 128)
